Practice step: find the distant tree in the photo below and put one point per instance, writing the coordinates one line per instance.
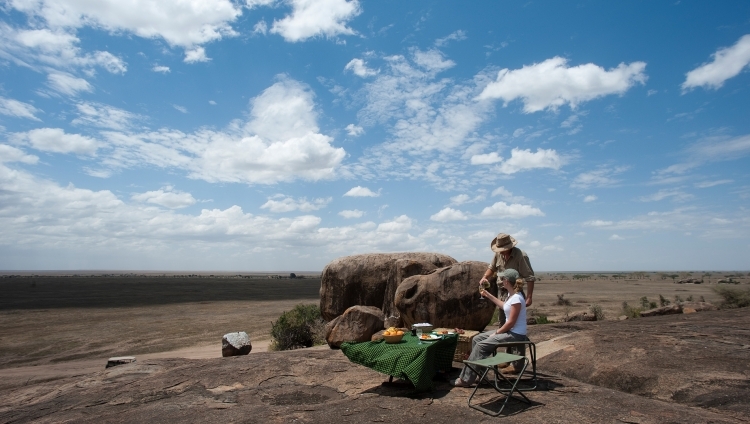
(292, 275)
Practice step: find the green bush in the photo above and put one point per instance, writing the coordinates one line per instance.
(542, 319)
(663, 301)
(298, 328)
(733, 297)
(630, 311)
(561, 301)
(597, 311)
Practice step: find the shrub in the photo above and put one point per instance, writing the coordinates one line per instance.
(630, 311)
(597, 311)
(300, 327)
(561, 301)
(542, 319)
(733, 297)
(663, 301)
(689, 298)
(645, 304)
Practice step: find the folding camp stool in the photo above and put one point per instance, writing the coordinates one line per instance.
(530, 347)
(491, 363)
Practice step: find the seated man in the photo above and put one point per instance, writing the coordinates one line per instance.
(514, 329)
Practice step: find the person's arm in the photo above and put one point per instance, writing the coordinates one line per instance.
(486, 275)
(491, 298)
(530, 292)
(510, 321)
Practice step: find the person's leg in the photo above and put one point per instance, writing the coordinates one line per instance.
(483, 349)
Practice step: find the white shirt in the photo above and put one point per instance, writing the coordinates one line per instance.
(520, 326)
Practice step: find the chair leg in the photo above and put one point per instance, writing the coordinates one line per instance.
(508, 393)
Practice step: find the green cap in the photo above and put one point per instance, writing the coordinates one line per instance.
(510, 273)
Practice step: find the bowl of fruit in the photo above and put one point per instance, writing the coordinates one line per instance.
(393, 335)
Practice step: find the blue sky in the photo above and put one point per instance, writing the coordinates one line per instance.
(258, 135)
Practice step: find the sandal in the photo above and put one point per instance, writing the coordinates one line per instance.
(460, 383)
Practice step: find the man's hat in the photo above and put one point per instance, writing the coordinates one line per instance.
(502, 243)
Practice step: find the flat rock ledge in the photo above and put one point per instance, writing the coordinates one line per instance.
(634, 371)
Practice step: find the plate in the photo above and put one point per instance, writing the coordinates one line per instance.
(430, 337)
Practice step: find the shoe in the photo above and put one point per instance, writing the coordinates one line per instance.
(460, 383)
(510, 369)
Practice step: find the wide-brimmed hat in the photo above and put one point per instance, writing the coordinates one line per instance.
(503, 242)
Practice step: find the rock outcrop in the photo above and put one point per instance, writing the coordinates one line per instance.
(371, 279)
(447, 297)
(235, 344)
(356, 324)
(580, 316)
(664, 310)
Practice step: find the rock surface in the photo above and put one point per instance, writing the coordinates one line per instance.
(447, 297)
(662, 378)
(580, 316)
(234, 344)
(371, 279)
(356, 324)
(664, 310)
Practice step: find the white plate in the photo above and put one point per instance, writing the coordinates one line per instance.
(431, 337)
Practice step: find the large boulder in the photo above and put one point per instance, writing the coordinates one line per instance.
(447, 297)
(356, 324)
(371, 279)
(235, 344)
(664, 310)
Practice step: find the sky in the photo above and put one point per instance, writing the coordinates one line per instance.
(259, 135)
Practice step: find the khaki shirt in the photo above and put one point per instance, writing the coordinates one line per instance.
(518, 260)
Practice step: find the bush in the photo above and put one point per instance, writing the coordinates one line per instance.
(733, 297)
(300, 327)
(645, 304)
(597, 311)
(630, 311)
(542, 319)
(561, 301)
(663, 301)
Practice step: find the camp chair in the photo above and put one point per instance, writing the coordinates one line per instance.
(491, 363)
(526, 346)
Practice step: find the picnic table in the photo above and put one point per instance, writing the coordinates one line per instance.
(407, 359)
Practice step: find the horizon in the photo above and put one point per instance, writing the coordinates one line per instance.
(273, 134)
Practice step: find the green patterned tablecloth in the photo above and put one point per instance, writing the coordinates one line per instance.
(416, 362)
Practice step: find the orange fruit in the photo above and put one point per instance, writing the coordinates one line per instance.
(387, 333)
(399, 333)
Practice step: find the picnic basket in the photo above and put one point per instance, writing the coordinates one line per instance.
(463, 347)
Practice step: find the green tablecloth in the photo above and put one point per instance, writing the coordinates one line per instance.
(416, 362)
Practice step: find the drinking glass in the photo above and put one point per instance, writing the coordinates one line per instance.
(485, 285)
(419, 335)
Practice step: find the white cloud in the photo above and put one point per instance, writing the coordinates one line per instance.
(311, 18)
(353, 213)
(515, 211)
(501, 191)
(601, 177)
(14, 154)
(359, 68)
(400, 224)
(459, 199)
(432, 60)
(710, 149)
(261, 27)
(518, 132)
(56, 141)
(615, 237)
(676, 195)
(598, 223)
(167, 197)
(196, 54)
(281, 204)
(179, 23)
(68, 84)
(449, 214)
(727, 62)
(181, 109)
(104, 116)
(212, 102)
(162, 69)
(707, 184)
(551, 84)
(11, 107)
(522, 160)
(486, 159)
(359, 191)
(589, 198)
(459, 35)
(354, 130)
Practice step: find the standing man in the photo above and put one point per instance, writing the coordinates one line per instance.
(508, 256)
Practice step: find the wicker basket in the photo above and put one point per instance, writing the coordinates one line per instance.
(463, 348)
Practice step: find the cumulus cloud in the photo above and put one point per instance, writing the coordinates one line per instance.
(432, 60)
(522, 160)
(552, 83)
(598, 223)
(312, 18)
(615, 237)
(400, 224)
(11, 107)
(68, 84)
(589, 198)
(449, 214)
(281, 203)
(460, 199)
(261, 27)
(727, 63)
(196, 54)
(486, 159)
(353, 213)
(55, 140)
(14, 154)
(359, 191)
(181, 109)
(514, 211)
(167, 197)
(359, 68)
(161, 69)
(459, 35)
(354, 130)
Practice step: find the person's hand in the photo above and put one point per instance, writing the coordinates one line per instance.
(528, 302)
(483, 280)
